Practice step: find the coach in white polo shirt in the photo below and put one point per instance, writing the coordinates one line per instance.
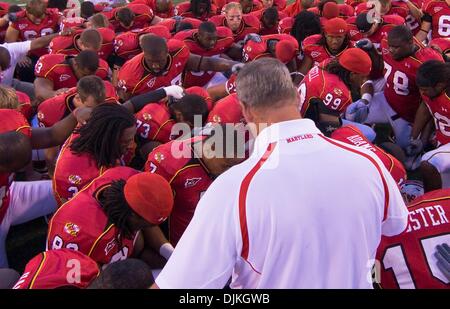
(304, 211)
(12, 53)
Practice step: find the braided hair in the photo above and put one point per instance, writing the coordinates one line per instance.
(101, 135)
(344, 75)
(305, 24)
(116, 207)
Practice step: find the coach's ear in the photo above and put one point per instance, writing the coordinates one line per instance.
(247, 113)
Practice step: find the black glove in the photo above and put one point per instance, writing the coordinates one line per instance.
(364, 44)
(12, 17)
(442, 255)
(252, 37)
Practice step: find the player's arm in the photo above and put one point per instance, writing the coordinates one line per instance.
(235, 52)
(198, 63)
(43, 88)
(422, 117)
(135, 104)
(425, 27)
(12, 34)
(42, 138)
(217, 92)
(414, 10)
(306, 65)
(156, 20)
(45, 40)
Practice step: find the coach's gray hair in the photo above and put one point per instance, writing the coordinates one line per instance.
(265, 83)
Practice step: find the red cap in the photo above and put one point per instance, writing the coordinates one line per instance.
(54, 269)
(285, 51)
(150, 196)
(336, 26)
(330, 10)
(356, 60)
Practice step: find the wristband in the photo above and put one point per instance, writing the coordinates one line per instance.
(367, 82)
(367, 97)
(166, 250)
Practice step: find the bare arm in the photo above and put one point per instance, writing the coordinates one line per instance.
(156, 20)
(55, 135)
(423, 32)
(415, 11)
(423, 116)
(307, 64)
(12, 35)
(217, 92)
(197, 63)
(42, 41)
(43, 88)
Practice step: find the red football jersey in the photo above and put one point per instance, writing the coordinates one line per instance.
(285, 25)
(10, 120)
(353, 136)
(73, 172)
(230, 84)
(54, 109)
(397, 8)
(442, 44)
(264, 30)
(227, 110)
(56, 268)
(126, 44)
(407, 260)
(319, 84)
(152, 5)
(253, 50)
(440, 110)
(135, 78)
(25, 107)
(82, 225)
(249, 24)
(401, 91)
(57, 68)
(187, 177)
(143, 16)
(183, 9)
(189, 37)
(411, 22)
(154, 123)
(440, 17)
(170, 23)
(316, 52)
(29, 30)
(67, 45)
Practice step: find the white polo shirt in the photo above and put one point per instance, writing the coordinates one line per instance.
(303, 211)
(17, 51)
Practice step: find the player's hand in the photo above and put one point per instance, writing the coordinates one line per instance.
(66, 32)
(25, 62)
(357, 111)
(415, 147)
(237, 67)
(82, 114)
(364, 44)
(61, 90)
(442, 255)
(174, 91)
(252, 37)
